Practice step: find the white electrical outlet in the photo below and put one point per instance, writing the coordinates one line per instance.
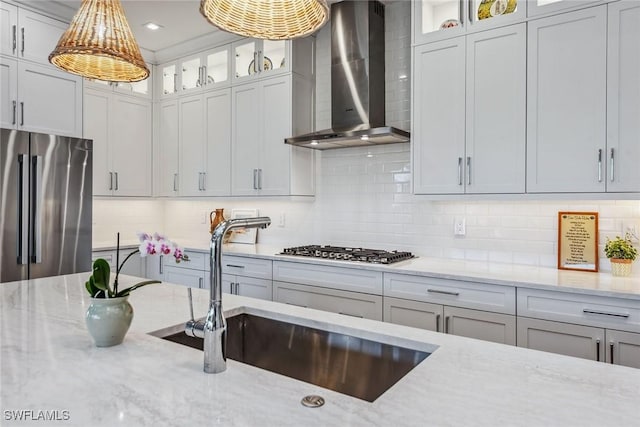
(459, 227)
(281, 221)
(631, 229)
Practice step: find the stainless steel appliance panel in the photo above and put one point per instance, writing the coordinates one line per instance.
(60, 237)
(14, 205)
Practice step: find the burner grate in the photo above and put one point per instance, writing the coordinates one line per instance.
(374, 256)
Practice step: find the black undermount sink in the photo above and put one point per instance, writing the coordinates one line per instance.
(354, 366)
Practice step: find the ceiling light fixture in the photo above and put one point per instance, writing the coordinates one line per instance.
(271, 20)
(152, 26)
(100, 45)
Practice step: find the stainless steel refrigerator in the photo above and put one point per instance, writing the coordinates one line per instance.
(45, 205)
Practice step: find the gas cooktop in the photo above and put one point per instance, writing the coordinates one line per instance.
(374, 256)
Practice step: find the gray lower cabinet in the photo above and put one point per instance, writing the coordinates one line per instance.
(495, 327)
(343, 302)
(587, 342)
(135, 266)
(247, 286)
(186, 276)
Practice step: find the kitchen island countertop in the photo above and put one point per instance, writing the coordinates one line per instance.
(48, 362)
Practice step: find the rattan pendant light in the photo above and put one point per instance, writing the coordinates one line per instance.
(267, 19)
(100, 45)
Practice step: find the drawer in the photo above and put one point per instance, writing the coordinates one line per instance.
(197, 261)
(590, 310)
(343, 302)
(350, 279)
(247, 266)
(474, 295)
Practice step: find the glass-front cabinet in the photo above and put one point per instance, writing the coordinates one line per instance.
(443, 19)
(140, 89)
(543, 7)
(254, 58)
(195, 73)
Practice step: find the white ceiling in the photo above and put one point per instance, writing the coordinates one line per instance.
(181, 20)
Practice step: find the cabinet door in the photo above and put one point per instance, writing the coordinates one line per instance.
(623, 348)
(8, 29)
(50, 100)
(482, 325)
(566, 106)
(437, 20)
(562, 338)
(543, 7)
(38, 35)
(438, 117)
(185, 276)
(254, 288)
(623, 97)
(342, 302)
(217, 173)
(275, 161)
(413, 313)
(167, 153)
(191, 142)
(496, 116)
(96, 117)
(191, 74)
(168, 79)
(154, 267)
(246, 134)
(8, 93)
(131, 146)
(216, 67)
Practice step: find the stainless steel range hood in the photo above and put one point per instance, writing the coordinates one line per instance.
(357, 81)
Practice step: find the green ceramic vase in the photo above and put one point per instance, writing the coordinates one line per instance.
(108, 320)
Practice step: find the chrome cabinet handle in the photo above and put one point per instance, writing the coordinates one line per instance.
(437, 323)
(605, 313)
(199, 181)
(459, 170)
(200, 282)
(259, 179)
(234, 265)
(260, 61)
(205, 78)
(23, 211)
(597, 350)
(204, 181)
(36, 212)
(175, 182)
(611, 351)
(199, 82)
(22, 41)
(161, 269)
(612, 164)
(116, 188)
(468, 170)
(437, 291)
(14, 31)
(237, 288)
(15, 110)
(255, 179)
(461, 8)
(600, 165)
(110, 180)
(446, 324)
(255, 62)
(21, 113)
(352, 315)
(175, 82)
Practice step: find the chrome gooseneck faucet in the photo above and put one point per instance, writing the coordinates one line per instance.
(214, 327)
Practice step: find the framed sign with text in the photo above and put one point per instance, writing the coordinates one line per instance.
(578, 241)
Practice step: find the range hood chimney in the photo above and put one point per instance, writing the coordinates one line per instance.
(357, 81)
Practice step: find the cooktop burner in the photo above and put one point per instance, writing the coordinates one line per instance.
(348, 254)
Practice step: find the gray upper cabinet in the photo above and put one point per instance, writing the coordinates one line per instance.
(566, 102)
(623, 97)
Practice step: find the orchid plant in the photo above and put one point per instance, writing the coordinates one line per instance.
(98, 284)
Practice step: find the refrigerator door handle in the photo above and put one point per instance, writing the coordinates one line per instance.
(36, 185)
(23, 209)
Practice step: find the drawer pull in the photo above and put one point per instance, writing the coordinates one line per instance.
(446, 324)
(352, 315)
(234, 265)
(597, 350)
(611, 351)
(604, 313)
(437, 323)
(297, 305)
(436, 291)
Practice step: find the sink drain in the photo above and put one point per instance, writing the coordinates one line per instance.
(312, 401)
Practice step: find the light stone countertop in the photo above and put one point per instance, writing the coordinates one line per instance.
(48, 362)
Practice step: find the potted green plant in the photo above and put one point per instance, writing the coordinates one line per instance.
(621, 253)
(109, 315)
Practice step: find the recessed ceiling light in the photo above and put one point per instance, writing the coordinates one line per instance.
(152, 26)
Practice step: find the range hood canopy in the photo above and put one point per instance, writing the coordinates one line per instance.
(357, 81)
